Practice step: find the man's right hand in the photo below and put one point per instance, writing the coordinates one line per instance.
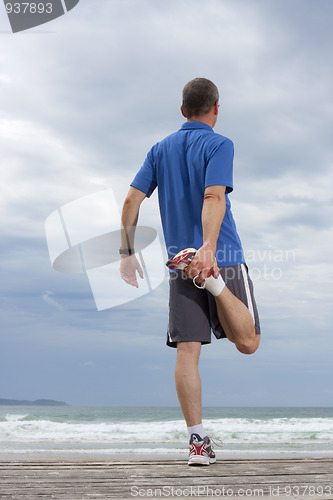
(203, 261)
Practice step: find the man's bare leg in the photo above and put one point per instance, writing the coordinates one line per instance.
(234, 316)
(188, 383)
(237, 322)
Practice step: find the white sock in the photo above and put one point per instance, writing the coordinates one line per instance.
(215, 285)
(197, 429)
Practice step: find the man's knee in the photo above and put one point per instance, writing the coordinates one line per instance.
(189, 348)
(248, 347)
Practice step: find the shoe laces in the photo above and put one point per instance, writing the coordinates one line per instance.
(218, 442)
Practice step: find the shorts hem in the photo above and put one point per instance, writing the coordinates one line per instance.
(173, 344)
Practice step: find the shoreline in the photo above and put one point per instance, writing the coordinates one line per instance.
(77, 459)
(94, 455)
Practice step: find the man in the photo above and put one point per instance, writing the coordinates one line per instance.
(193, 171)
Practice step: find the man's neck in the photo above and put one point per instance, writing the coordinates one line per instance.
(207, 119)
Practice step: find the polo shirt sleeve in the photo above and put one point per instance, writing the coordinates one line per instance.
(145, 179)
(219, 170)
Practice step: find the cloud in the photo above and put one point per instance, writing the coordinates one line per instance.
(52, 302)
(89, 364)
(82, 105)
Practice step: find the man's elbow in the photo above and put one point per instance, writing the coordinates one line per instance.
(134, 198)
(214, 197)
(129, 201)
(215, 194)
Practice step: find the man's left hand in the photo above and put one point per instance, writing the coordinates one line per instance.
(129, 266)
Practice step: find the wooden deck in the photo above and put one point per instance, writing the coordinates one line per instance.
(282, 478)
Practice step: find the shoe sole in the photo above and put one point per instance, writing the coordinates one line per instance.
(198, 460)
(181, 260)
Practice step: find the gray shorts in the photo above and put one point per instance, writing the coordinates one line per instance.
(192, 312)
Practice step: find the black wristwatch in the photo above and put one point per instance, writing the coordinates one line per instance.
(126, 251)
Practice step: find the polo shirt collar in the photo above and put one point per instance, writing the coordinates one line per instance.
(195, 125)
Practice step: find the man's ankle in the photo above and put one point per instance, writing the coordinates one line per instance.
(197, 429)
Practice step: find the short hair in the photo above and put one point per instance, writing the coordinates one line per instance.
(199, 96)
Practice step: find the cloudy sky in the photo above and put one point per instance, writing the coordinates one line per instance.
(83, 99)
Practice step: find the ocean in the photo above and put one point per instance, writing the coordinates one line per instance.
(33, 432)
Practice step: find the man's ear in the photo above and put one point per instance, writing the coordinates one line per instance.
(182, 110)
(216, 108)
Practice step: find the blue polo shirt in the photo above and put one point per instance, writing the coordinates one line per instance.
(182, 165)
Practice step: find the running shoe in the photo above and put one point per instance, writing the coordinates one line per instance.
(182, 259)
(201, 452)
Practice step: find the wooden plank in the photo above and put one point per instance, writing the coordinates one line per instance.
(78, 479)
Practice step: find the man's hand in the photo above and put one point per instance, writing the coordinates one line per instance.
(129, 265)
(203, 261)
